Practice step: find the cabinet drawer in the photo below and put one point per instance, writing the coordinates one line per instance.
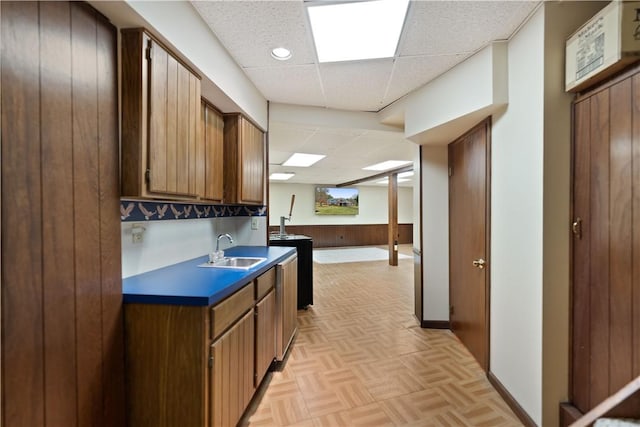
(265, 282)
(230, 310)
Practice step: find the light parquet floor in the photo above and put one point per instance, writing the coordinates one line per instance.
(360, 359)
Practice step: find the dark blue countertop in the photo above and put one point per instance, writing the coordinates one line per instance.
(187, 284)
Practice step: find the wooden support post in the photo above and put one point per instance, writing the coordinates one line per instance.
(393, 219)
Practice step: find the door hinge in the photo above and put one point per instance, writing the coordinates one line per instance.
(211, 361)
(576, 228)
(147, 176)
(450, 170)
(451, 311)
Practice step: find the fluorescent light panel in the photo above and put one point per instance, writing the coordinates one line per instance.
(303, 160)
(386, 181)
(389, 164)
(355, 31)
(281, 176)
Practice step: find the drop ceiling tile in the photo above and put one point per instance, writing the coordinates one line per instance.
(358, 85)
(250, 29)
(448, 27)
(288, 138)
(414, 72)
(326, 141)
(289, 85)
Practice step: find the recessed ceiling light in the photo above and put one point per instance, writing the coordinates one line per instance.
(357, 30)
(281, 53)
(281, 176)
(303, 160)
(389, 164)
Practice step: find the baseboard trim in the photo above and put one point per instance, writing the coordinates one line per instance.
(435, 324)
(513, 404)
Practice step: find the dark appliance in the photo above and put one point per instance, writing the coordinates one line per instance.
(304, 246)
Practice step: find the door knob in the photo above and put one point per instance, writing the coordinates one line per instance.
(479, 263)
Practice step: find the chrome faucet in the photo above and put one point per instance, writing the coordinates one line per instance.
(228, 236)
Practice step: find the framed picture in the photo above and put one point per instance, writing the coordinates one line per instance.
(336, 201)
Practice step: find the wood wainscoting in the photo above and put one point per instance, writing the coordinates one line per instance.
(327, 236)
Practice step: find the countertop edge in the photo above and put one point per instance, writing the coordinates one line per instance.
(217, 296)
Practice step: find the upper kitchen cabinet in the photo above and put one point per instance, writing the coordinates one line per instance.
(162, 148)
(213, 149)
(245, 158)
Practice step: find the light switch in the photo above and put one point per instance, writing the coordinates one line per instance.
(254, 223)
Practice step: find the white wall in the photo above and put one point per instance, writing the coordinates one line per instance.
(169, 242)
(373, 205)
(435, 233)
(516, 223)
(453, 103)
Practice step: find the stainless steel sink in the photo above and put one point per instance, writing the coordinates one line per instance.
(243, 263)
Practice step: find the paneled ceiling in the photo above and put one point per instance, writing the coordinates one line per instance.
(437, 35)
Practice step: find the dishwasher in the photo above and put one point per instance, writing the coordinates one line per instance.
(286, 304)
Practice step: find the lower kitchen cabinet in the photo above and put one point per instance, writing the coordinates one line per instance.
(200, 366)
(265, 335)
(231, 373)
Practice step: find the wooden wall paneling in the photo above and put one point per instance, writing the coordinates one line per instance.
(636, 225)
(62, 347)
(620, 276)
(600, 249)
(581, 301)
(133, 109)
(22, 331)
(325, 236)
(87, 238)
(159, 157)
(110, 244)
(58, 231)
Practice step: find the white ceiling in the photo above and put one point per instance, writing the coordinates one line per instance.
(436, 36)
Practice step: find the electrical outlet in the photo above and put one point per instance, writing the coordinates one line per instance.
(136, 237)
(254, 223)
(137, 233)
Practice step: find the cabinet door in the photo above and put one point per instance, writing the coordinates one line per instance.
(174, 102)
(213, 154)
(290, 300)
(286, 308)
(252, 159)
(244, 153)
(231, 381)
(265, 335)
